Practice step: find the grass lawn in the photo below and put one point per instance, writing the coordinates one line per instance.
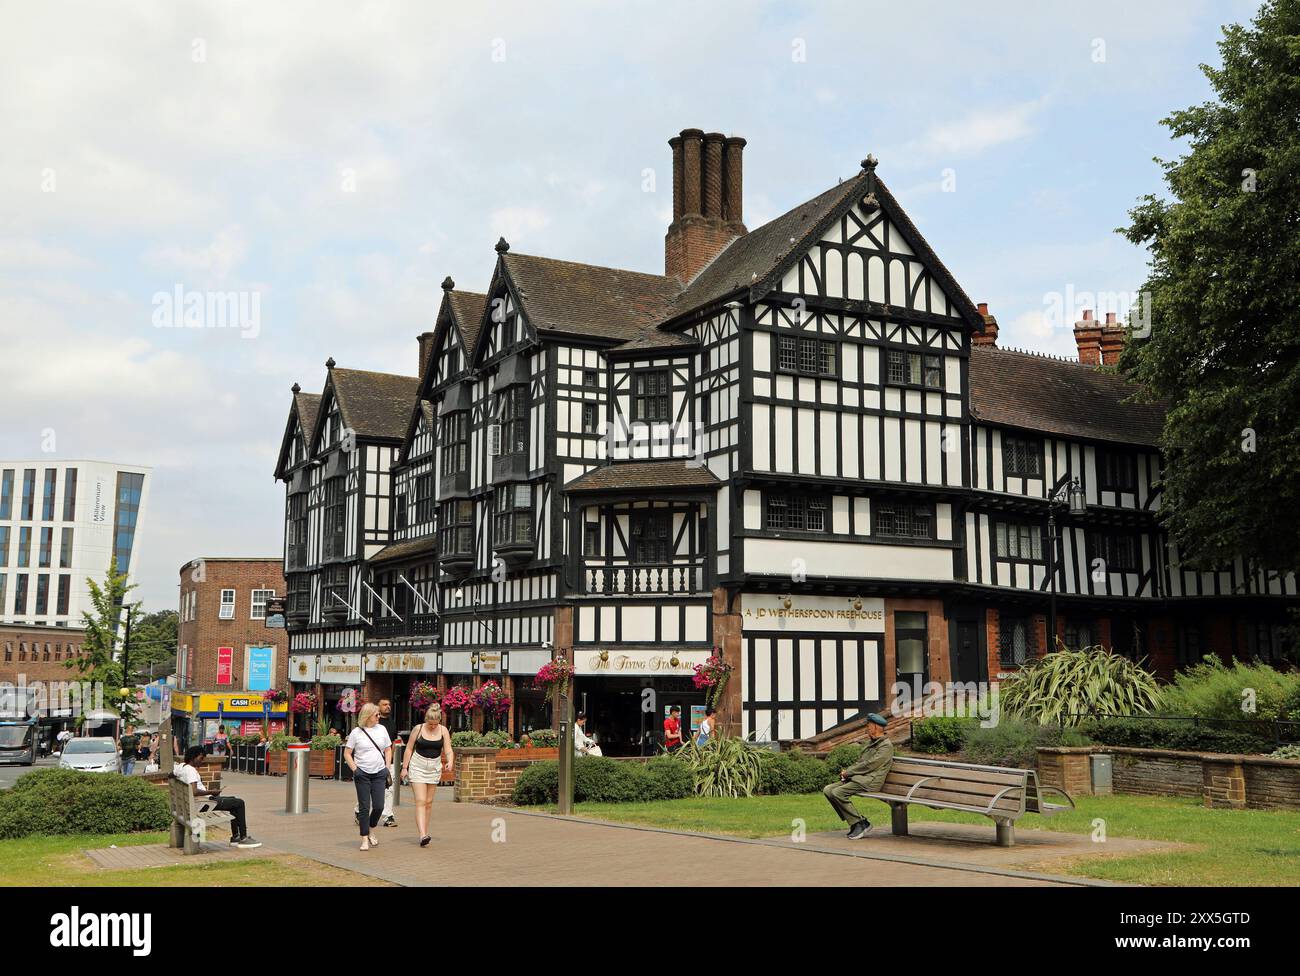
(58, 862)
(1233, 847)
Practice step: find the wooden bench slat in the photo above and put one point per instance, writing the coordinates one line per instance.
(960, 785)
(944, 798)
(903, 767)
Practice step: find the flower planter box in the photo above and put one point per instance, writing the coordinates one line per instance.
(322, 762)
(532, 754)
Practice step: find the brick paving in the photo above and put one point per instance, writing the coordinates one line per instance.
(162, 856)
(500, 846)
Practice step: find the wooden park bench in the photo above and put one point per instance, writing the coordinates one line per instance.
(1003, 795)
(191, 816)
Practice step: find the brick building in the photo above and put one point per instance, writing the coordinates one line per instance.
(223, 643)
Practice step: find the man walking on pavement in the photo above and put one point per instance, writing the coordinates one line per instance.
(866, 775)
(387, 720)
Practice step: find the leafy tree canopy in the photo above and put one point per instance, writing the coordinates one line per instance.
(1224, 287)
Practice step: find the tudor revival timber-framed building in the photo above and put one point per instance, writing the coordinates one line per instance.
(800, 445)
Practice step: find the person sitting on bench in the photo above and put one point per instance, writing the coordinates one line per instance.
(866, 775)
(187, 772)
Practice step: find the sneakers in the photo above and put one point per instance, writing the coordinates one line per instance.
(859, 830)
(390, 821)
(245, 842)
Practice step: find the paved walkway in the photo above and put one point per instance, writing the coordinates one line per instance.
(524, 848)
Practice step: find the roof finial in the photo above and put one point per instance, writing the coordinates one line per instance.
(869, 164)
(296, 388)
(329, 363)
(448, 284)
(502, 246)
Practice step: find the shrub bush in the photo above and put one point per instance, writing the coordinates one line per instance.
(1286, 752)
(1015, 743)
(600, 779)
(795, 772)
(940, 733)
(539, 783)
(469, 739)
(726, 766)
(1155, 733)
(496, 740)
(63, 801)
(843, 756)
(668, 779)
(324, 743)
(1212, 690)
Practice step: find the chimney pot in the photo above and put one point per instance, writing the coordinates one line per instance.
(1110, 318)
(707, 181)
(1087, 315)
(983, 307)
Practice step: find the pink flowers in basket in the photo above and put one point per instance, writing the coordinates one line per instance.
(492, 698)
(553, 677)
(423, 694)
(712, 675)
(457, 698)
(304, 701)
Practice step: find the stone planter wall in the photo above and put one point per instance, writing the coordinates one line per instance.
(1231, 781)
(485, 775)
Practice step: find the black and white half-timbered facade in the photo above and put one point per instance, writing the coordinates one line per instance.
(800, 447)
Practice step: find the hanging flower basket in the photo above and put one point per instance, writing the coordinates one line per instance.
(554, 677)
(303, 702)
(276, 696)
(492, 699)
(457, 698)
(423, 694)
(712, 676)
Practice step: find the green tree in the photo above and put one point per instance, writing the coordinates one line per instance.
(153, 645)
(103, 623)
(1224, 304)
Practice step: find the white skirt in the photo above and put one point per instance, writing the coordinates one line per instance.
(425, 771)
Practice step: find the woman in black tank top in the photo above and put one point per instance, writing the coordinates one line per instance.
(428, 759)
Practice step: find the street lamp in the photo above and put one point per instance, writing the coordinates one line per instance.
(1068, 495)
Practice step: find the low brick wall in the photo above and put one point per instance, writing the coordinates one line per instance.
(485, 775)
(1229, 781)
(209, 772)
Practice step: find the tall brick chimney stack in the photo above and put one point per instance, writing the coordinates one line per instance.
(707, 207)
(1113, 335)
(989, 337)
(1087, 336)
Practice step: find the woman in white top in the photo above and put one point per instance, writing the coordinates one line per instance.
(428, 754)
(369, 752)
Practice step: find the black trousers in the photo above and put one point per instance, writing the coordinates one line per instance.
(370, 797)
(234, 806)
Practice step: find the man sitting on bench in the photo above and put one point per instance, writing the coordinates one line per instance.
(188, 772)
(866, 775)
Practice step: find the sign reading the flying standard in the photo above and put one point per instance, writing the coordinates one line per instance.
(666, 662)
(821, 614)
(398, 661)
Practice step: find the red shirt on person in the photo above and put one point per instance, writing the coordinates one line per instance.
(672, 732)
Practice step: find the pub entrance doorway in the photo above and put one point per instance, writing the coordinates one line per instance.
(625, 714)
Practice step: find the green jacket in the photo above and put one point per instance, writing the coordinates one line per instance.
(873, 765)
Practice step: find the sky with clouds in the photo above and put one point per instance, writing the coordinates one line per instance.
(333, 161)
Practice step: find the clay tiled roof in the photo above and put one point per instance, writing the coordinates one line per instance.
(626, 475)
(308, 405)
(375, 404)
(588, 300)
(467, 308)
(1056, 396)
(406, 549)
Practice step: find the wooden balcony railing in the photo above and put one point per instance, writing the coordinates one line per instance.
(412, 625)
(634, 580)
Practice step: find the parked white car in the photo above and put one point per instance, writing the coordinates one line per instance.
(92, 754)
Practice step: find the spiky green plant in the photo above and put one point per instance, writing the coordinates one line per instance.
(725, 766)
(1066, 687)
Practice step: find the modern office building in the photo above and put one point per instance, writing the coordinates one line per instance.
(62, 521)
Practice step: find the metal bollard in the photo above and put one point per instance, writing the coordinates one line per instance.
(399, 751)
(298, 777)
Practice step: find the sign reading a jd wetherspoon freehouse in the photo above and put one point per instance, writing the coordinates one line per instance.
(821, 614)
